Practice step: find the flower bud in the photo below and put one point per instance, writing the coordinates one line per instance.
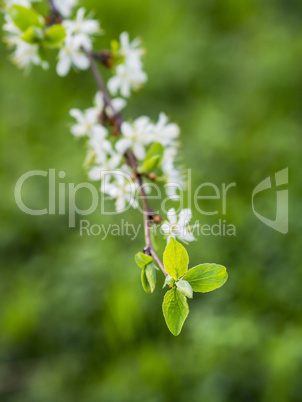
(169, 281)
(185, 288)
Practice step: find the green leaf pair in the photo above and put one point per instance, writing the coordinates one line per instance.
(148, 275)
(33, 27)
(153, 159)
(202, 278)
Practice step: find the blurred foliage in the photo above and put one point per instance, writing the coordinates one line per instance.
(75, 322)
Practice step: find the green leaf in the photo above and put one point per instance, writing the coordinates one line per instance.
(54, 35)
(155, 237)
(156, 149)
(145, 283)
(185, 288)
(148, 277)
(25, 18)
(175, 309)
(206, 277)
(114, 45)
(176, 259)
(151, 276)
(32, 35)
(153, 158)
(150, 164)
(115, 50)
(142, 259)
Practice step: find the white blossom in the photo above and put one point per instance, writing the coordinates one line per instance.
(97, 172)
(99, 146)
(135, 136)
(65, 7)
(174, 177)
(130, 51)
(117, 104)
(129, 74)
(174, 184)
(100, 149)
(178, 227)
(127, 78)
(86, 122)
(104, 166)
(164, 132)
(12, 31)
(81, 26)
(72, 54)
(78, 40)
(26, 55)
(123, 190)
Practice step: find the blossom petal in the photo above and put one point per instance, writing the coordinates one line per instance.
(184, 217)
(139, 151)
(119, 103)
(78, 115)
(63, 66)
(122, 145)
(171, 214)
(114, 84)
(127, 130)
(95, 174)
(165, 227)
(78, 130)
(186, 236)
(81, 61)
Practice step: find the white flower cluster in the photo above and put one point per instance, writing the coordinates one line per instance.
(79, 33)
(129, 73)
(107, 153)
(25, 54)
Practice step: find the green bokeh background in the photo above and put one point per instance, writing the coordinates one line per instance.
(75, 322)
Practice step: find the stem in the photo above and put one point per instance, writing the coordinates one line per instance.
(53, 7)
(55, 17)
(104, 57)
(118, 118)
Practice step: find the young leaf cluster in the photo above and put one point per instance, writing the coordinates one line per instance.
(183, 282)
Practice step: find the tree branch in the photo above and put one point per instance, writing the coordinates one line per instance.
(118, 119)
(55, 17)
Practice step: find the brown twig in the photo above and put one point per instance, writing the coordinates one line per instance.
(55, 16)
(148, 212)
(104, 57)
(118, 120)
